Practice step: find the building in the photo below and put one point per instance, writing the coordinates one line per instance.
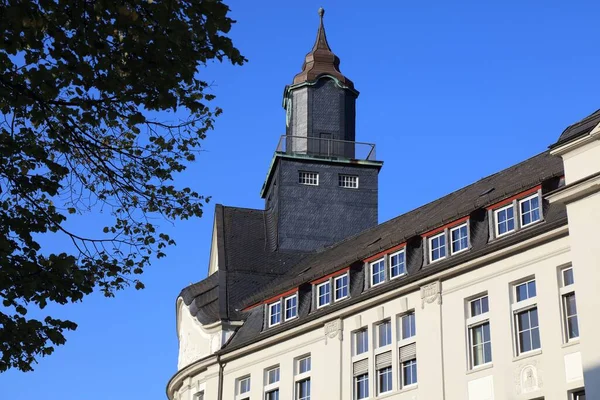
(490, 292)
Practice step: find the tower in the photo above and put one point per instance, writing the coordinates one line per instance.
(322, 185)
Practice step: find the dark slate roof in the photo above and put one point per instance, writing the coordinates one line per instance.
(249, 272)
(458, 204)
(246, 265)
(579, 129)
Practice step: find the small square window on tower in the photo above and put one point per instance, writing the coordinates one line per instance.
(348, 181)
(308, 178)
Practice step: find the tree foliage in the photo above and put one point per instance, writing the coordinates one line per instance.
(82, 87)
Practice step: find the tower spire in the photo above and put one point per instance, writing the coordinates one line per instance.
(321, 60)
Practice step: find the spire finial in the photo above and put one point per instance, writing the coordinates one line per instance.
(321, 12)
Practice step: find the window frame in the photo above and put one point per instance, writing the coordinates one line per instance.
(566, 290)
(525, 282)
(413, 325)
(394, 254)
(365, 381)
(318, 287)
(371, 274)
(239, 386)
(335, 286)
(378, 380)
(497, 222)
(306, 180)
(519, 307)
(355, 341)
(529, 330)
(285, 307)
(431, 249)
(402, 376)
(520, 210)
(301, 377)
(385, 324)
(475, 321)
(269, 386)
(457, 228)
(341, 179)
(270, 315)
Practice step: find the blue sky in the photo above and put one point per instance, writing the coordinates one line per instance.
(449, 91)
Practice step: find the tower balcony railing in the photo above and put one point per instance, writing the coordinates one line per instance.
(326, 148)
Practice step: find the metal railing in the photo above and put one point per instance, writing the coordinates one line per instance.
(326, 148)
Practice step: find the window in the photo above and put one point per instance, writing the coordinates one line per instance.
(408, 327)
(323, 294)
(378, 272)
(437, 247)
(308, 178)
(530, 210)
(384, 380)
(303, 389)
(341, 287)
(274, 313)
(302, 378)
(199, 396)
(348, 181)
(304, 365)
(272, 395)
(570, 311)
(409, 372)
(291, 307)
(569, 304)
(397, 264)
(567, 275)
(505, 220)
(578, 395)
(528, 333)
(479, 306)
(481, 344)
(361, 383)
(361, 342)
(384, 333)
(460, 238)
(273, 375)
(244, 385)
(526, 290)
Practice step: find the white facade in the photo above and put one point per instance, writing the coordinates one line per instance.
(559, 369)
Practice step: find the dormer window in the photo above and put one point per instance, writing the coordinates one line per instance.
(291, 307)
(331, 288)
(459, 238)
(516, 212)
(275, 313)
(397, 264)
(378, 272)
(437, 247)
(323, 294)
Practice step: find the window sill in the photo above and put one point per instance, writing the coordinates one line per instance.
(408, 388)
(570, 343)
(479, 368)
(532, 353)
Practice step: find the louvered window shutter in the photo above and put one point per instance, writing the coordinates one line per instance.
(361, 367)
(383, 360)
(408, 352)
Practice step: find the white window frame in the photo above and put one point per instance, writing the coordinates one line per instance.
(371, 274)
(304, 178)
(270, 306)
(474, 322)
(522, 306)
(457, 228)
(271, 386)
(565, 291)
(356, 380)
(355, 342)
(521, 224)
(301, 376)
(338, 278)
(345, 179)
(238, 387)
(403, 341)
(404, 385)
(575, 394)
(285, 307)
(397, 253)
(379, 326)
(525, 282)
(318, 286)
(378, 381)
(497, 222)
(430, 246)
